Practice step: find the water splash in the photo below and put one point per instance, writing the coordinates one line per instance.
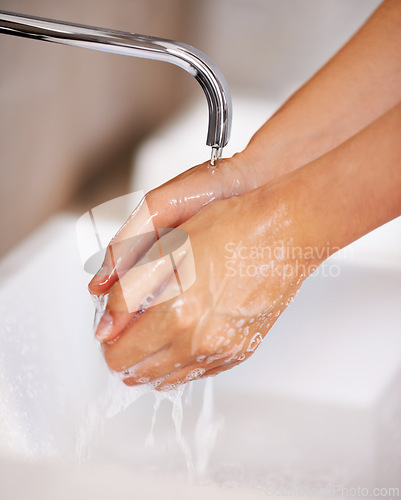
(100, 306)
(207, 428)
(114, 397)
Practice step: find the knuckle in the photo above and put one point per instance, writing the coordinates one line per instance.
(184, 317)
(205, 349)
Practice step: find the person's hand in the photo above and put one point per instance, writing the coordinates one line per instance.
(249, 265)
(169, 206)
(216, 322)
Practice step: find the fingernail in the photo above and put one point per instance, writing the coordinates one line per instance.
(100, 277)
(105, 327)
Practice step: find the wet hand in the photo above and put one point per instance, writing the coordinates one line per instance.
(170, 205)
(248, 260)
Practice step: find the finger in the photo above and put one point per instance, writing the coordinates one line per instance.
(155, 280)
(150, 331)
(221, 368)
(112, 324)
(181, 376)
(158, 366)
(219, 363)
(138, 290)
(166, 207)
(134, 238)
(142, 340)
(191, 371)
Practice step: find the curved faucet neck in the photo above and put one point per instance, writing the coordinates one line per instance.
(185, 56)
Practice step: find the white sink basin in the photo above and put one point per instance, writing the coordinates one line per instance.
(320, 399)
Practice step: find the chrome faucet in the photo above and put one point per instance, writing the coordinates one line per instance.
(186, 57)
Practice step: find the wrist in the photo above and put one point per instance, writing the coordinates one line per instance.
(285, 143)
(303, 203)
(350, 190)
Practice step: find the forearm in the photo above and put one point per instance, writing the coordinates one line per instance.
(361, 82)
(351, 190)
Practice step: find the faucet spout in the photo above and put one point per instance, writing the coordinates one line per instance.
(185, 56)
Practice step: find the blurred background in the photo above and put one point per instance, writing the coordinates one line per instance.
(70, 119)
(319, 402)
